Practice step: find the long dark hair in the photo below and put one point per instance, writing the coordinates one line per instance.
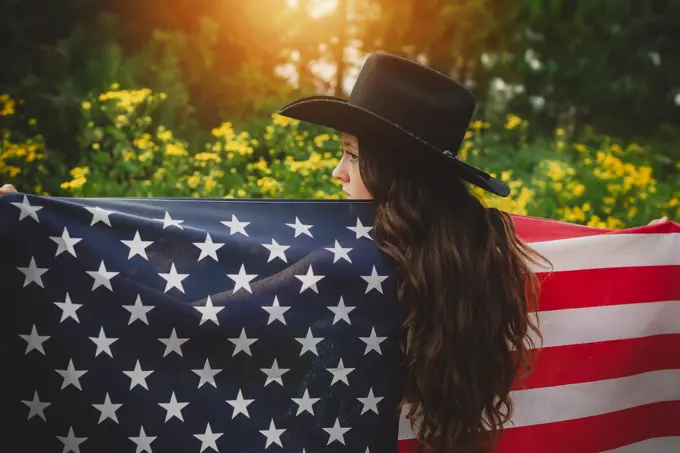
(465, 279)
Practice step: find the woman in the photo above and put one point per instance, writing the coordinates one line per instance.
(464, 272)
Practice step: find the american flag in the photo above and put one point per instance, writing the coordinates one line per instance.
(175, 325)
(608, 376)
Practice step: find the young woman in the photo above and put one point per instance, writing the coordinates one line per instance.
(464, 274)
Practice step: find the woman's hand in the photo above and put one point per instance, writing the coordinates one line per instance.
(658, 221)
(7, 188)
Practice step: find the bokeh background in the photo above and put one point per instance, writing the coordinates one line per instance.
(579, 100)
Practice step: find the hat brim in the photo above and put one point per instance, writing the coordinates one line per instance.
(337, 113)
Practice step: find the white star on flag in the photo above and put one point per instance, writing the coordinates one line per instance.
(138, 311)
(99, 215)
(143, 441)
(341, 311)
(207, 374)
(337, 432)
(68, 309)
(309, 343)
(208, 248)
(138, 376)
(242, 280)
(208, 439)
(240, 405)
(374, 281)
(107, 409)
(340, 373)
(36, 407)
(103, 343)
(173, 279)
(273, 435)
(173, 343)
(33, 273)
(27, 210)
(340, 252)
(208, 312)
(274, 374)
(170, 222)
(373, 342)
(173, 408)
(361, 230)
(71, 376)
(137, 246)
(300, 228)
(102, 277)
(276, 250)
(235, 226)
(35, 341)
(242, 343)
(71, 442)
(309, 280)
(65, 243)
(370, 402)
(305, 404)
(276, 312)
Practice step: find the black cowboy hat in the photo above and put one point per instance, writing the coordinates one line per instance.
(404, 102)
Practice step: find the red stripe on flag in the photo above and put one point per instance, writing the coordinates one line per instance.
(587, 435)
(595, 434)
(562, 365)
(613, 286)
(533, 229)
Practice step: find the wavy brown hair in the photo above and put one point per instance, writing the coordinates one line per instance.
(465, 279)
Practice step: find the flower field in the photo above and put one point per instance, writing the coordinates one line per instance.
(126, 151)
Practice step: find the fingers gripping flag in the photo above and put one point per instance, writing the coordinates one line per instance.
(254, 326)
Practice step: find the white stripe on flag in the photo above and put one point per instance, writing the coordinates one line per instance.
(572, 401)
(656, 445)
(610, 251)
(585, 325)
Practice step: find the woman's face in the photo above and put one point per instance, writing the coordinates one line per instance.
(347, 170)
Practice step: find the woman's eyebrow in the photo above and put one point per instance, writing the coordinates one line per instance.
(347, 144)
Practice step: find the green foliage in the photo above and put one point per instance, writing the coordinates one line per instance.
(598, 182)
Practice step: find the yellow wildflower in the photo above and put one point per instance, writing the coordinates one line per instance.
(163, 134)
(319, 140)
(8, 108)
(204, 157)
(596, 222)
(614, 223)
(174, 150)
(86, 105)
(555, 171)
(512, 122)
(209, 184)
(194, 180)
(143, 142)
(283, 121)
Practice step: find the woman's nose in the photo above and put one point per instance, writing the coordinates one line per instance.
(340, 173)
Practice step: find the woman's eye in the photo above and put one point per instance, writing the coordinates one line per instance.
(352, 157)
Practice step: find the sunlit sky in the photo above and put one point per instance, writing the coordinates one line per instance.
(317, 8)
(324, 69)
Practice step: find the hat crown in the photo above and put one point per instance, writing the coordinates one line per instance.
(419, 99)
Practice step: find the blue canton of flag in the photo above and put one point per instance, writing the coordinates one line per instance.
(179, 325)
